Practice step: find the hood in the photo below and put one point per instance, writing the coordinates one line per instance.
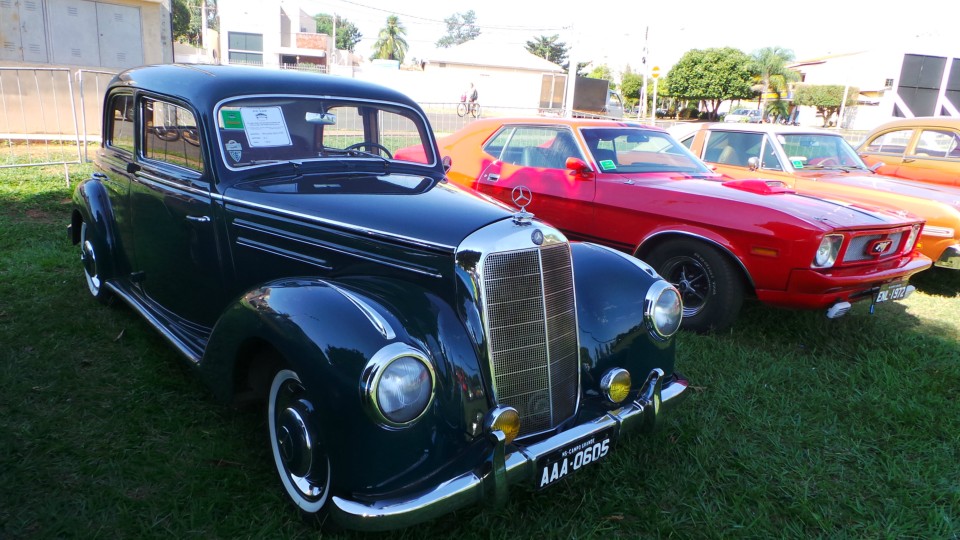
(878, 183)
(436, 214)
(760, 197)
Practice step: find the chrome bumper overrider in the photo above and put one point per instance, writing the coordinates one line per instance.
(490, 482)
(950, 258)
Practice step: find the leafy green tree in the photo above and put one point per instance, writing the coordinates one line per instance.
(712, 76)
(348, 35)
(461, 28)
(769, 68)
(187, 20)
(549, 48)
(825, 97)
(630, 85)
(603, 72)
(391, 43)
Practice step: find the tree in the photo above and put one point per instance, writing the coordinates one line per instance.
(187, 20)
(603, 72)
(769, 67)
(461, 28)
(348, 35)
(549, 48)
(825, 97)
(710, 75)
(391, 44)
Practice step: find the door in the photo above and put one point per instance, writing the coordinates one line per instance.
(177, 255)
(934, 159)
(535, 156)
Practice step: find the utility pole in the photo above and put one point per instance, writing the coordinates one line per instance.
(642, 110)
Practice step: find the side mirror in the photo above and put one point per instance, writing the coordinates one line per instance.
(579, 166)
(447, 163)
(753, 162)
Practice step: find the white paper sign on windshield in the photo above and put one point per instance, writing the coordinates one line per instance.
(265, 126)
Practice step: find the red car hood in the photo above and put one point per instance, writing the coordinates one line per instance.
(774, 195)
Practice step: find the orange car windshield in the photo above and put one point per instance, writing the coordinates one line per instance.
(810, 150)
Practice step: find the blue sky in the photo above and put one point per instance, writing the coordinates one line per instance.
(811, 28)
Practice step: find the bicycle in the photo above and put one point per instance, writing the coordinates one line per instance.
(472, 108)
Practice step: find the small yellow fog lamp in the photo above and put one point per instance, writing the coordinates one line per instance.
(615, 385)
(505, 419)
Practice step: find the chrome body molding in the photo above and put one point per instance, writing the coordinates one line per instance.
(508, 465)
(377, 320)
(703, 238)
(950, 258)
(311, 218)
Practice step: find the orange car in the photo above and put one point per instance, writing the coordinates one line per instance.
(924, 149)
(821, 163)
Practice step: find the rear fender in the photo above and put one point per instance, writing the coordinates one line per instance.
(91, 205)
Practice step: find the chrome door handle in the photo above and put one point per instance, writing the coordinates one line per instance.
(493, 177)
(199, 219)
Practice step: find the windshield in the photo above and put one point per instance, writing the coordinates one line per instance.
(255, 131)
(813, 150)
(634, 150)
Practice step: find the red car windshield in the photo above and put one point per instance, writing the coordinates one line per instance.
(632, 150)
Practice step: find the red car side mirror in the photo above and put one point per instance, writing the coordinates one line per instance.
(580, 167)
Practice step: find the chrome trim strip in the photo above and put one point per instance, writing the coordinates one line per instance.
(705, 239)
(518, 466)
(175, 185)
(375, 318)
(937, 232)
(339, 224)
(246, 242)
(156, 324)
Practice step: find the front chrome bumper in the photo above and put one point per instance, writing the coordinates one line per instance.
(950, 258)
(491, 481)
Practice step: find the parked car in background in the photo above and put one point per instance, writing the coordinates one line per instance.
(419, 349)
(924, 149)
(635, 189)
(744, 116)
(821, 163)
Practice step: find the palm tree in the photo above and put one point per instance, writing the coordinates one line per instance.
(391, 44)
(769, 66)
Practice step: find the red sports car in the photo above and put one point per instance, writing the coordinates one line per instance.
(635, 189)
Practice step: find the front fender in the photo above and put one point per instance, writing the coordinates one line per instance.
(327, 331)
(611, 290)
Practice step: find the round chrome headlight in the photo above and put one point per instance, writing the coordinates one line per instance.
(398, 384)
(828, 250)
(663, 309)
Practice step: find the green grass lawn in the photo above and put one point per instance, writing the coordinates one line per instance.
(796, 426)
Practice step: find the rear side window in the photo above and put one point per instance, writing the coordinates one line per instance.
(937, 143)
(119, 131)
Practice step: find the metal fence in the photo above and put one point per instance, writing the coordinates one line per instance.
(38, 120)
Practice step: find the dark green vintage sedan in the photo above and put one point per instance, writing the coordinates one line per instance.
(419, 348)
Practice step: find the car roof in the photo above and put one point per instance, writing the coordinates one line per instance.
(206, 85)
(932, 121)
(572, 122)
(767, 128)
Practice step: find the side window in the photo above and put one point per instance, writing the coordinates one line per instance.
(545, 148)
(119, 132)
(171, 135)
(936, 143)
(495, 146)
(398, 131)
(732, 147)
(769, 159)
(893, 142)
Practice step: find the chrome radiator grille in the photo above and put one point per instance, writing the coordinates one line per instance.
(859, 245)
(532, 334)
